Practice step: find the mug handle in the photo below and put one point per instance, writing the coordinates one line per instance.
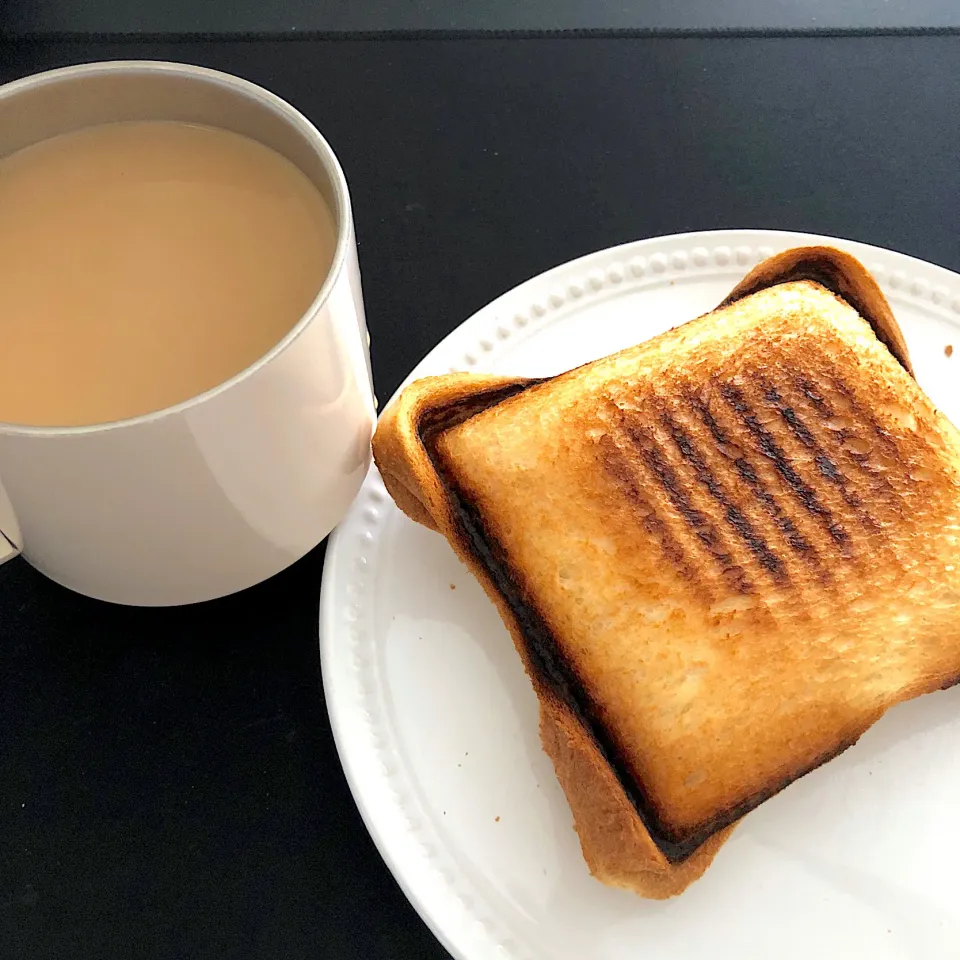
(10, 541)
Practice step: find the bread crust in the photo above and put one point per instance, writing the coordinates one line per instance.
(616, 845)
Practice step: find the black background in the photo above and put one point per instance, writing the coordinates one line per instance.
(379, 16)
(168, 782)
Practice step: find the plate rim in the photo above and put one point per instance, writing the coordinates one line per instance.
(435, 907)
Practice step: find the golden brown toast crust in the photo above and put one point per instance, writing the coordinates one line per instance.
(617, 846)
(838, 272)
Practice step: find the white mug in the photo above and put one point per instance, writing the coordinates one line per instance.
(228, 488)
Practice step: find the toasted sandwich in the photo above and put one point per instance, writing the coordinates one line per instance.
(722, 554)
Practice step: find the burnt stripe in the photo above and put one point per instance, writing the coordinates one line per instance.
(826, 466)
(880, 484)
(619, 468)
(745, 469)
(734, 516)
(815, 396)
(864, 416)
(768, 447)
(698, 522)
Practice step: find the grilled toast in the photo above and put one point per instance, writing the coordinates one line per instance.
(722, 554)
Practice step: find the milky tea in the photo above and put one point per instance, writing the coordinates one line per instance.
(143, 263)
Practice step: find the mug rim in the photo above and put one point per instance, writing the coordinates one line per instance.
(295, 119)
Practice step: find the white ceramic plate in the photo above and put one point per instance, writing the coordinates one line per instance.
(437, 725)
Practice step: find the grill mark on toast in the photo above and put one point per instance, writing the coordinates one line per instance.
(749, 476)
(886, 499)
(815, 395)
(862, 415)
(812, 397)
(909, 446)
(815, 561)
(769, 448)
(826, 465)
(733, 515)
(904, 449)
(697, 522)
(619, 468)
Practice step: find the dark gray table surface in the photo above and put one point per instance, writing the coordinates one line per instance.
(379, 16)
(169, 786)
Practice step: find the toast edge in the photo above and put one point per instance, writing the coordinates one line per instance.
(840, 273)
(616, 845)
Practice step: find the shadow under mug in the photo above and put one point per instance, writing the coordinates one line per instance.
(230, 487)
